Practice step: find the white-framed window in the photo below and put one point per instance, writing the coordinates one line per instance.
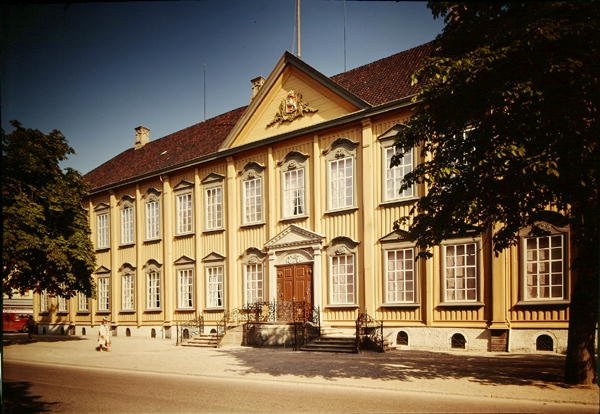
(185, 288)
(44, 302)
(152, 210)
(342, 271)
(127, 223)
(461, 272)
(293, 193)
(214, 286)
(544, 267)
(184, 212)
(342, 280)
(394, 175)
(82, 302)
(128, 292)
(341, 183)
(153, 290)
(63, 304)
(252, 193)
(103, 230)
(214, 208)
(341, 174)
(400, 276)
(103, 293)
(253, 273)
(253, 200)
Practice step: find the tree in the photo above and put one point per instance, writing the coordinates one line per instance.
(46, 241)
(507, 121)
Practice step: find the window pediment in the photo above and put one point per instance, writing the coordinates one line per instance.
(293, 160)
(101, 207)
(183, 260)
(213, 257)
(127, 268)
(342, 246)
(253, 255)
(152, 194)
(213, 178)
(183, 185)
(152, 266)
(127, 201)
(252, 170)
(102, 269)
(391, 133)
(341, 148)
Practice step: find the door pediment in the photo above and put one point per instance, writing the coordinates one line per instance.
(293, 236)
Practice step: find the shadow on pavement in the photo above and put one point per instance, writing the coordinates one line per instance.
(20, 338)
(538, 370)
(17, 398)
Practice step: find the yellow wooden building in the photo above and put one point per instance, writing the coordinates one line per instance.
(292, 198)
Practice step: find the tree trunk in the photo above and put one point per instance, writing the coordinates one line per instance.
(580, 366)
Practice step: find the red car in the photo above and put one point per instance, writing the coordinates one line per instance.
(15, 321)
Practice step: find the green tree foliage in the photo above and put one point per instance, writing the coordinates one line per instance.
(507, 121)
(45, 238)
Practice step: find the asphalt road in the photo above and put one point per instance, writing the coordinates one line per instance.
(31, 388)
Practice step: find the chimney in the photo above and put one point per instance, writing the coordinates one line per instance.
(142, 136)
(256, 84)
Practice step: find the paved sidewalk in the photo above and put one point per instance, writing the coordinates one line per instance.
(534, 377)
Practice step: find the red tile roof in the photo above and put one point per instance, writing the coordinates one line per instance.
(377, 83)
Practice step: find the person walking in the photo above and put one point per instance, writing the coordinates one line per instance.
(104, 336)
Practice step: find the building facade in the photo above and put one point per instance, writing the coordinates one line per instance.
(292, 198)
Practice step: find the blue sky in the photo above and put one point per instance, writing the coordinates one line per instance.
(95, 71)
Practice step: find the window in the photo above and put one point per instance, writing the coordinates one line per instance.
(185, 288)
(400, 276)
(44, 302)
(62, 304)
(341, 183)
(342, 271)
(545, 267)
(460, 272)
(184, 213)
(342, 279)
(214, 208)
(127, 224)
(394, 175)
(341, 174)
(103, 294)
(102, 229)
(254, 282)
(214, 282)
(293, 184)
(128, 292)
(253, 200)
(153, 290)
(152, 214)
(82, 302)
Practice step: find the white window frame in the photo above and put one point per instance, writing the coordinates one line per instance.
(341, 185)
(293, 171)
(254, 283)
(103, 293)
(215, 278)
(393, 176)
(213, 207)
(342, 291)
(127, 222)
(399, 279)
(185, 288)
(128, 291)
(83, 303)
(152, 215)
(544, 267)
(62, 304)
(44, 302)
(153, 289)
(184, 212)
(456, 277)
(103, 230)
(252, 184)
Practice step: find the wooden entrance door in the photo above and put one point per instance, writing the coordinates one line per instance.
(294, 284)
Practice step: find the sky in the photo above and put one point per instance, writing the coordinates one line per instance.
(95, 71)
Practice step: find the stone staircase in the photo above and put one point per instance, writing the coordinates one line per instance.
(333, 340)
(233, 337)
(203, 341)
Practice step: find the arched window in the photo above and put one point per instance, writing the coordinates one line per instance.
(153, 333)
(544, 343)
(458, 341)
(127, 332)
(83, 331)
(402, 338)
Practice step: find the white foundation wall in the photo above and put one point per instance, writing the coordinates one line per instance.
(524, 340)
(439, 339)
(160, 332)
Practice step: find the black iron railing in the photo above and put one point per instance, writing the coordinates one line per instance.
(369, 333)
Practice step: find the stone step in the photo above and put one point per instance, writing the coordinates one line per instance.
(331, 344)
(203, 341)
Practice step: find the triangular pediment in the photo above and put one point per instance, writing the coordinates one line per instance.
(214, 257)
(183, 260)
(293, 236)
(398, 235)
(102, 269)
(293, 97)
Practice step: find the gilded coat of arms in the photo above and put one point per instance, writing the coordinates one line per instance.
(290, 108)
